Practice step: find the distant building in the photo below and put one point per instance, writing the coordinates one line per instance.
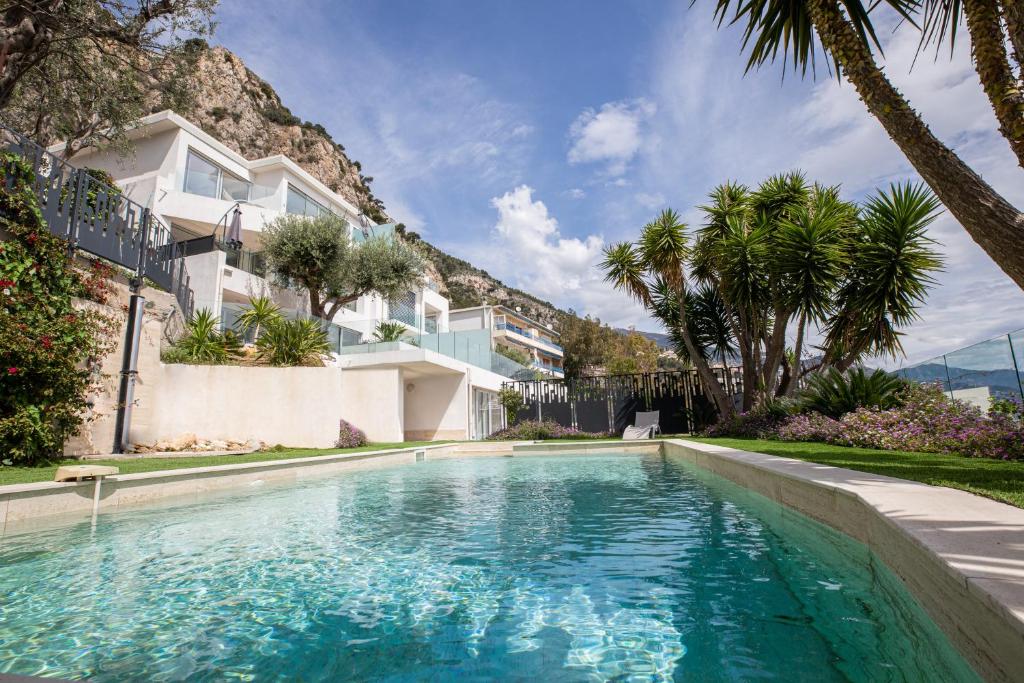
(513, 330)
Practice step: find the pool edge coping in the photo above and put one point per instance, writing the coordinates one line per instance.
(976, 599)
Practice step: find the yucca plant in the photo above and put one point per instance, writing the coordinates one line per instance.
(204, 342)
(834, 393)
(261, 315)
(293, 342)
(389, 331)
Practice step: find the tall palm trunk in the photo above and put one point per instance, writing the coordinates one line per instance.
(1013, 15)
(798, 349)
(988, 48)
(707, 376)
(989, 219)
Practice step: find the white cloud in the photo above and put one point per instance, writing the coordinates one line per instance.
(529, 251)
(612, 135)
(575, 193)
(649, 200)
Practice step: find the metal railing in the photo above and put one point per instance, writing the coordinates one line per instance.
(509, 327)
(98, 219)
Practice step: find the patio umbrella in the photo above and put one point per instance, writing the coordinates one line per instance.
(234, 236)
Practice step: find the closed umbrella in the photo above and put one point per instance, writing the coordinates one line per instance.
(235, 229)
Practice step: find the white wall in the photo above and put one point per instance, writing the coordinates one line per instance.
(475, 319)
(373, 400)
(436, 407)
(289, 406)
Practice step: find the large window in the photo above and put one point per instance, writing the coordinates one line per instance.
(203, 177)
(304, 205)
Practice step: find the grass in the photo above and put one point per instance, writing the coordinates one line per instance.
(1000, 480)
(28, 475)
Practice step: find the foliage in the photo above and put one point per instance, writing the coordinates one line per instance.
(786, 251)
(389, 331)
(512, 401)
(47, 345)
(262, 314)
(83, 71)
(294, 342)
(592, 348)
(204, 343)
(350, 436)
(318, 256)
(535, 430)
(513, 354)
(923, 418)
(834, 393)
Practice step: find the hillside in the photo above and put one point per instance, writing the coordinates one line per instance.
(236, 106)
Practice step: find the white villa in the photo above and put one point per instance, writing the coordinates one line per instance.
(442, 385)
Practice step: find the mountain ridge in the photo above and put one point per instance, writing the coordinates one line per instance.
(235, 105)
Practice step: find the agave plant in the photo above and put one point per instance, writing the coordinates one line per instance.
(262, 314)
(834, 393)
(204, 342)
(389, 331)
(293, 342)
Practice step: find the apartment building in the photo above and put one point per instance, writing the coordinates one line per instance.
(513, 330)
(217, 203)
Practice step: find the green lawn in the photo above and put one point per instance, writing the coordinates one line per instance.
(997, 479)
(26, 475)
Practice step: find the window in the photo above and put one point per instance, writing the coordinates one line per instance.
(205, 178)
(302, 204)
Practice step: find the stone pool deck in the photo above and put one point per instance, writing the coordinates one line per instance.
(960, 555)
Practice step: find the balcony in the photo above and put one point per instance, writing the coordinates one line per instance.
(509, 327)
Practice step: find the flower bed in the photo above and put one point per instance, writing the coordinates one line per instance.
(926, 420)
(536, 430)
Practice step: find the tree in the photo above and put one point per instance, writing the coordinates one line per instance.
(774, 27)
(583, 344)
(84, 71)
(658, 262)
(318, 256)
(260, 316)
(787, 252)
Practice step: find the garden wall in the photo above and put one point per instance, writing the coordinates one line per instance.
(289, 406)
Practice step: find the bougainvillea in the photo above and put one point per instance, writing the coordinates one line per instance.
(350, 436)
(46, 343)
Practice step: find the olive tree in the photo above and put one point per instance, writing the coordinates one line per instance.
(316, 255)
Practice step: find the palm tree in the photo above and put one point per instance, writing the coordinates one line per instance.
(387, 331)
(888, 276)
(774, 27)
(294, 342)
(661, 253)
(261, 314)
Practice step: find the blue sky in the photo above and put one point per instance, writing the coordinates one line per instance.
(525, 136)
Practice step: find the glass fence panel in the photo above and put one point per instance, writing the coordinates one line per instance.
(360, 336)
(975, 373)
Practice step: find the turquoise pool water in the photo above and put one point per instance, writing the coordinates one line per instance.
(557, 569)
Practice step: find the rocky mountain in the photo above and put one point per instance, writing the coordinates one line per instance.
(236, 106)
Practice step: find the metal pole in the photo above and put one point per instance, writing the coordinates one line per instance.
(949, 382)
(1013, 355)
(129, 372)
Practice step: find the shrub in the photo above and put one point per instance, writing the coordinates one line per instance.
(203, 342)
(46, 345)
(834, 393)
(293, 342)
(809, 427)
(754, 424)
(536, 430)
(350, 436)
(512, 401)
(389, 331)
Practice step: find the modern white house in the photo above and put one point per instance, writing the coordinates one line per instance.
(439, 383)
(511, 329)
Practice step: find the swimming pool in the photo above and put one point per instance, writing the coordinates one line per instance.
(625, 567)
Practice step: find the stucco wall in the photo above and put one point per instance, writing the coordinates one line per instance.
(289, 406)
(437, 407)
(373, 400)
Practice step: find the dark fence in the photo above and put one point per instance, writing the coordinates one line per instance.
(610, 404)
(98, 219)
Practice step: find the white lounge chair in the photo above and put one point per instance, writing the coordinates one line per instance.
(645, 426)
